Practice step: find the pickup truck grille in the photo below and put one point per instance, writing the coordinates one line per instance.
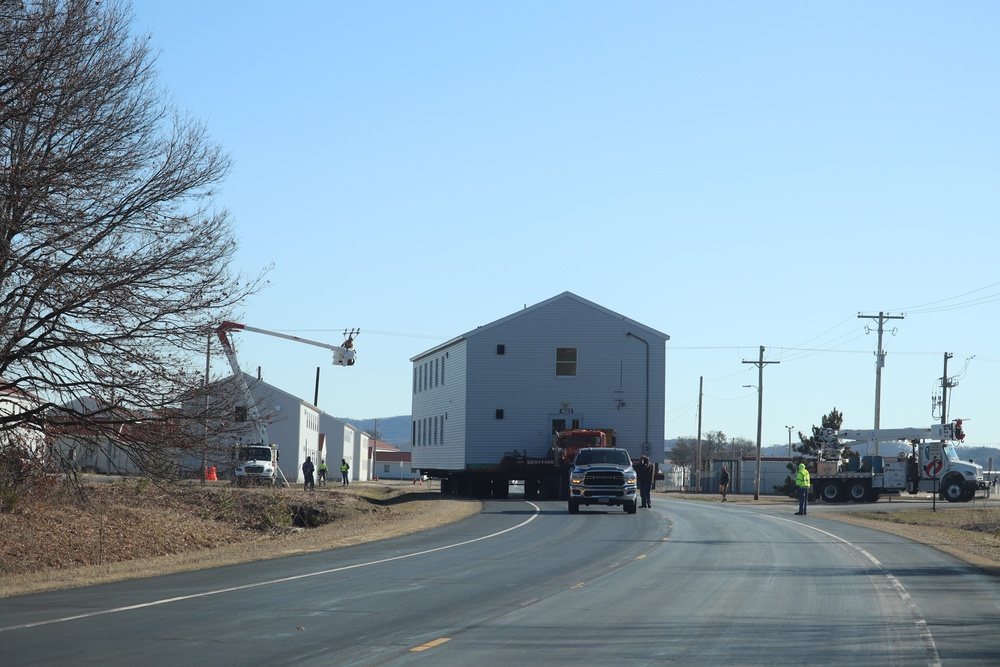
(604, 478)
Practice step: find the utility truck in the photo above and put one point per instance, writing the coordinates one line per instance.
(924, 460)
(257, 463)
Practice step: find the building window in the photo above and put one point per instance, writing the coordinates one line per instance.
(241, 413)
(565, 362)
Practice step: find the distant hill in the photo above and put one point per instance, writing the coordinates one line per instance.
(393, 430)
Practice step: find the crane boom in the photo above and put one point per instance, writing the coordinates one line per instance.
(934, 432)
(343, 355)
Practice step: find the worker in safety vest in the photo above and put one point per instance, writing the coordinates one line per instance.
(321, 471)
(344, 467)
(802, 485)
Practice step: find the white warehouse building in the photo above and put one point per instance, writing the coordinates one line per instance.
(509, 385)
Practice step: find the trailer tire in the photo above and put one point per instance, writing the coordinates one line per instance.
(574, 507)
(953, 489)
(832, 492)
(859, 492)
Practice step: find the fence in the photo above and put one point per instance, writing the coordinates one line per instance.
(773, 472)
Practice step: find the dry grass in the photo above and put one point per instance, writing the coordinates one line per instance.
(126, 530)
(970, 534)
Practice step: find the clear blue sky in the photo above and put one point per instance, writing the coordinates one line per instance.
(734, 174)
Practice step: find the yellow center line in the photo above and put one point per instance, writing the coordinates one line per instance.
(431, 644)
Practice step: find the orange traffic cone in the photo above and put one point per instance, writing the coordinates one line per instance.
(212, 474)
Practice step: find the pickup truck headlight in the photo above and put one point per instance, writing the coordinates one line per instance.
(630, 478)
(576, 478)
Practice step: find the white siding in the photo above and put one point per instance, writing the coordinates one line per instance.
(439, 410)
(292, 424)
(358, 459)
(617, 386)
(343, 441)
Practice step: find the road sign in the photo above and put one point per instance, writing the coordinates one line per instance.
(933, 468)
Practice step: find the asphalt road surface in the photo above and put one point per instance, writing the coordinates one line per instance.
(526, 583)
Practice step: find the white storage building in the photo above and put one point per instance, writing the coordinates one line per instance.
(509, 385)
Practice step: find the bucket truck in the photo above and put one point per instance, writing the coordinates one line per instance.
(257, 463)
(926, 461)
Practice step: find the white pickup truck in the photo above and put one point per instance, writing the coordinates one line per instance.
(603, 476)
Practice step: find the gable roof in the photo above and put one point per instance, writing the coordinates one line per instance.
(538, 306)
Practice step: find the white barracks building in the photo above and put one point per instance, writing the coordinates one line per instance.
(509, 385)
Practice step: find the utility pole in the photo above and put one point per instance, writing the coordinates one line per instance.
(945, 386)
(316, 391)
(374, 471)
(879, 362)
(760, 411)
(701, 385)
(789, 440)
(208, 369)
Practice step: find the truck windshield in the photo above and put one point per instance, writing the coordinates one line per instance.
(255, 453)
(588, 457)
(951, 453)
(580, 440)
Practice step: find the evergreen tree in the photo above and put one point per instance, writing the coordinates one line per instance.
(810, 448)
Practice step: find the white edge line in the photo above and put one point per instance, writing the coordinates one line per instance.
(933, 659)
(270, 582)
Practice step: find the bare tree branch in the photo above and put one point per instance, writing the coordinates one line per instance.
(113, 260)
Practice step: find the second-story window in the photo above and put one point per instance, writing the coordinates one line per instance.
(565, 362)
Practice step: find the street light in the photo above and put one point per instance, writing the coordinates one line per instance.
(760, 410)
(789, 440)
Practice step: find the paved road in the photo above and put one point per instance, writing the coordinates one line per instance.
(526, 583)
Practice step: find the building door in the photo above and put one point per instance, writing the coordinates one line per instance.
(563, 424)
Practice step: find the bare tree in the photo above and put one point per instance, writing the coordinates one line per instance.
(713, 446)
(113, 261)
(740, 447)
